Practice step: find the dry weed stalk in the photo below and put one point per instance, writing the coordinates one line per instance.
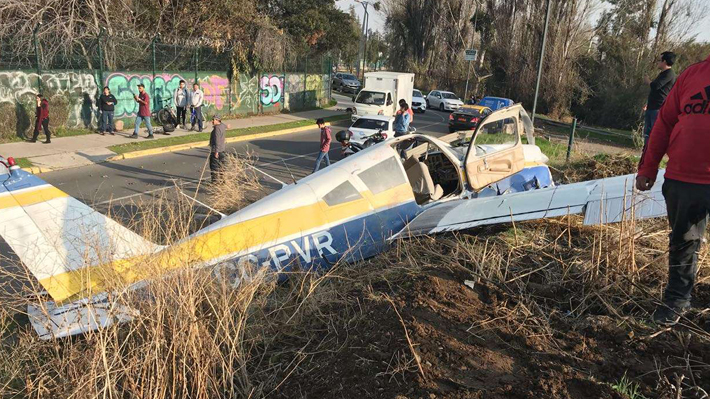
(238, 179)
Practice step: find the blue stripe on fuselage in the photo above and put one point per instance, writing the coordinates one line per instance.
(351, 241)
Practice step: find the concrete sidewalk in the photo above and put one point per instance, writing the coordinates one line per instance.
(76, 151)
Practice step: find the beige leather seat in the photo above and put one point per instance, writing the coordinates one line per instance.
(423, 186)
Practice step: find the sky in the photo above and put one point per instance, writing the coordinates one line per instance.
(377, 19)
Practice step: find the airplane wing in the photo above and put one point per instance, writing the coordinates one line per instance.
(607, 200)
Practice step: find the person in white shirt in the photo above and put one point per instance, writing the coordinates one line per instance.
(181, 98)
(196, 100)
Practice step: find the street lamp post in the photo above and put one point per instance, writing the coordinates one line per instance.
(365, 24)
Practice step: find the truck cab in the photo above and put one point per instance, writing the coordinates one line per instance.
(381, 93)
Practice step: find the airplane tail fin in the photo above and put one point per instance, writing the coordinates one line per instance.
(68, 247)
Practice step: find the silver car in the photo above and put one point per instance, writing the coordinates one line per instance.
(443, 100)
(346, 83)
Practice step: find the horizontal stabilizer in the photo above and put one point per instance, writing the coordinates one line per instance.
(63, 242)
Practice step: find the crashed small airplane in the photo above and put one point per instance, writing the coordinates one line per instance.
(349, 211)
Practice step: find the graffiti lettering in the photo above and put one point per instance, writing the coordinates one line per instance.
(246, 93)
(215, 89)
(272, 88)
(78, 88)
(124, 86)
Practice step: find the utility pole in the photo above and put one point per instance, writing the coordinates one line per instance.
(542, 57)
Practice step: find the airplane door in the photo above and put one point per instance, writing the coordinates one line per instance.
(496, 150)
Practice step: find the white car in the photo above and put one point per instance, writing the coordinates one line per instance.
(418, 101)
(443, 100)
(367, 125)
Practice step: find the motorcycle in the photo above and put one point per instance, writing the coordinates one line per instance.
(167, 118)
(350, 147)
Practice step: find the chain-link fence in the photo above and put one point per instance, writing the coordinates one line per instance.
(73, 78)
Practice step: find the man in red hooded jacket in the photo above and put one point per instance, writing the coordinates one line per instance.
(42, 121)
(682, 131)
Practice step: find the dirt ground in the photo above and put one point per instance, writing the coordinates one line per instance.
(548, 309)
(428, 334)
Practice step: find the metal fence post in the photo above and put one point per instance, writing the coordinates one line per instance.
(101, 55)
(571, 139)
(37, 64)
(330, 79)
(197, 59)
(152, 85)
(305, 80)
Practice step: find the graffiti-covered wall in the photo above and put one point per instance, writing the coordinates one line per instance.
(75, 92)
(124, 85)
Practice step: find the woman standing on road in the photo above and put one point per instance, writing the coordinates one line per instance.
(402, 119)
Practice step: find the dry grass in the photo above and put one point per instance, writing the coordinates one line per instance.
(200, 336)
(238, 180)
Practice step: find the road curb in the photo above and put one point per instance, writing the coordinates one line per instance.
(204, 143)
(35, 170)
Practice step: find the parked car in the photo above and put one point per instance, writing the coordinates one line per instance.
(495, 103)
(418, 101)
(443, 100)
(346, 83)
(467, 117)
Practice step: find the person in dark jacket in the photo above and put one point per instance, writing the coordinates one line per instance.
(42, 121)
(660, 87)
(217, 148)
(325, 139)
(683, 133)
(107, 102)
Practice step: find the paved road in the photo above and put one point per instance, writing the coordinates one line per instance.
(279, 157)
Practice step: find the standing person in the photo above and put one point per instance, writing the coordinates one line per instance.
(402, 119)
(181, 98)
(42, 113)
(660, 87)
(217, 148)
(196, 100)
(107, 102)
(143, 100)
(682, 132)
(325, 140)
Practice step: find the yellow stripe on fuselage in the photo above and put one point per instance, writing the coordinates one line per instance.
(31, 197)
(219, 243)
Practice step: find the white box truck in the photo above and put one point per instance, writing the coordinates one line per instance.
(381, 93)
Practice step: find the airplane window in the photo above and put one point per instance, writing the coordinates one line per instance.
(494, 136)
(383, 176)
(345, 192)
